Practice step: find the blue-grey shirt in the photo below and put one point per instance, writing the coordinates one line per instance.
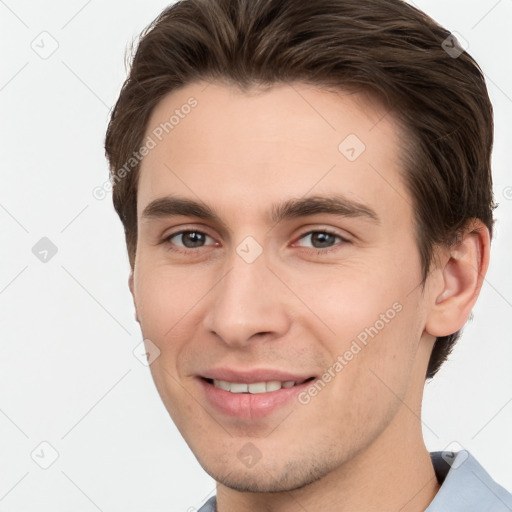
(465, 486)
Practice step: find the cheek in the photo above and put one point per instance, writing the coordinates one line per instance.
(388, 358)
(351, 302)
(375, 323)
(166, 297)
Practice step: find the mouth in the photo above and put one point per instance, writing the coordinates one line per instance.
(250, 401)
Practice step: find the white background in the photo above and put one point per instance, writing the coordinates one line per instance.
(68, 373)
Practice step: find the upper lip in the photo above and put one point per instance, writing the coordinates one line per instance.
(253, 375)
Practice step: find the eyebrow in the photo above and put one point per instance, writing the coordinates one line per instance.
(170, 206)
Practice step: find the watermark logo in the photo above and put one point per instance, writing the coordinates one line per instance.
(249, 249)
(44, 250)
(454, 45)
(249, 455)
(455, 454)
(146, 352)
(44, 455)
(44, 45)
(351, 147)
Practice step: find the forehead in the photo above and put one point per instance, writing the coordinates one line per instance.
(240, 149)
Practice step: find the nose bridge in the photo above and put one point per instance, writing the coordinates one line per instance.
(247, 300)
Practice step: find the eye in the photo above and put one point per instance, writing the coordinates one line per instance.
(320, 240)
(189, 239)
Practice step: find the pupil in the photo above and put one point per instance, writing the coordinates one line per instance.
(322, 239)
(192, 239)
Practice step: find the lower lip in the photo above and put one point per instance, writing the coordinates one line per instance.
(248, 406)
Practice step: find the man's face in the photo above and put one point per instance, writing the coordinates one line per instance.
(277, 286)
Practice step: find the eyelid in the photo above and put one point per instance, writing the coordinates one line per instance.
(172, 234)
(196, 228)
(322, 230)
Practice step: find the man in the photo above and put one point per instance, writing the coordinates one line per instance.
(306, 195)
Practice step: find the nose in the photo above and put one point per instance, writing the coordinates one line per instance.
(249, 303)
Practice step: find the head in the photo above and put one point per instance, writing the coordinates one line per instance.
(249, 114)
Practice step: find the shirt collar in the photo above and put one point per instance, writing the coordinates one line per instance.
(465, 485)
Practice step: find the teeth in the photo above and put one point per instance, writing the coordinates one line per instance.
(254, 387)
(273, 385)
(236, 387)
(222, 384)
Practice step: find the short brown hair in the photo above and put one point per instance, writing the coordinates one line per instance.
(386, 48)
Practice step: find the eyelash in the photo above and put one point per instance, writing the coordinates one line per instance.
(314, 250)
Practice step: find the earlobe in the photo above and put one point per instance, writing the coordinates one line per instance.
(462, 273)
(130, 286)
(130, 281)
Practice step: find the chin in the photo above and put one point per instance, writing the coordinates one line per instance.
(265, 478)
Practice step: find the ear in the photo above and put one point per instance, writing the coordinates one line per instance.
(461, 271)
(130, 285)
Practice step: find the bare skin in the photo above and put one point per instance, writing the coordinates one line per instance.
(356, 444)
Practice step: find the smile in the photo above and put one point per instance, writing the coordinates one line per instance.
(254, 387)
